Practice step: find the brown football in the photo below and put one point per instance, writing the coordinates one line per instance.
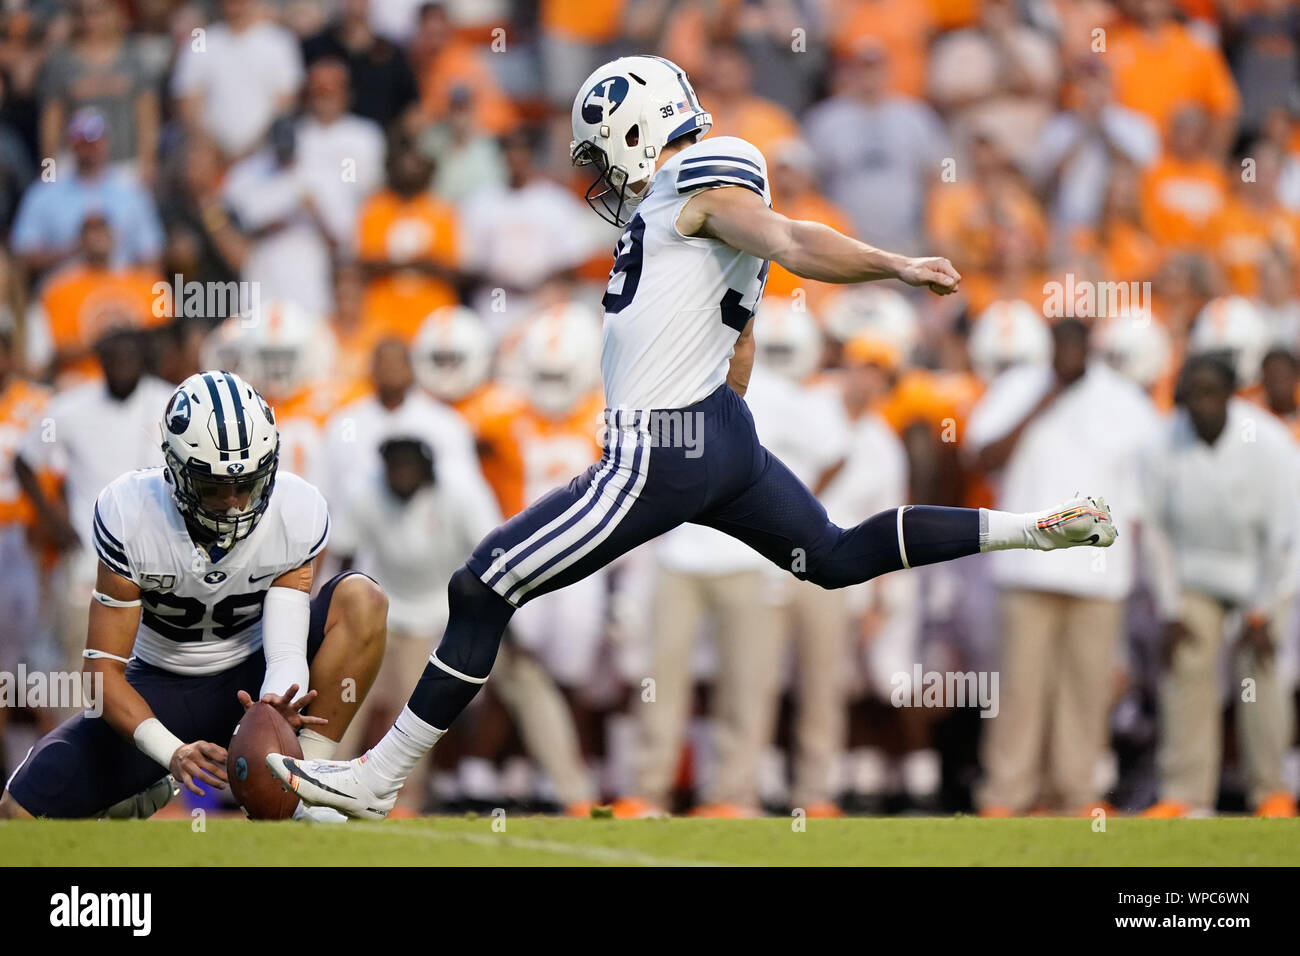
(261, 731)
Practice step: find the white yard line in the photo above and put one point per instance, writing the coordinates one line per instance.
(597, 854)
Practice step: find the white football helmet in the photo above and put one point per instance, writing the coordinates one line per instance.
(221, 449)
(559, 357)
(1136, 345)
(877, 311)
(787, 339)
(626, 112)
(452, 352)
(283, 348)
(1232, 324)
(1008, 333)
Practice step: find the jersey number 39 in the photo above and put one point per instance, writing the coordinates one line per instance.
(626, 276)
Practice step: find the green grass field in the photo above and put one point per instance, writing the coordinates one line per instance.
(547, 841)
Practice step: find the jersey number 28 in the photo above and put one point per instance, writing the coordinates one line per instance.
(185, 618)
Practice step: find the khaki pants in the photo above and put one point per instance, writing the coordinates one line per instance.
(535, 704)
(817, 620)
(1190, 718)
(545, 723)
(404, 658)
(744, 692)
(1056, 689)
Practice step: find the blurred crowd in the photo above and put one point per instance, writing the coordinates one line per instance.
(366, 208)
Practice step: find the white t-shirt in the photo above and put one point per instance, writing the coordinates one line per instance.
(239, 77)
(292, 262)
(344, 162)
(413, 546)
(90, 438)
(355, 432)
(1087, 441)
(1227, 513)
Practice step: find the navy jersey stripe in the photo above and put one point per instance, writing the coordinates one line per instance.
(114, 559)
(323, 535)
(710, 183)
(102, 544)
(689, 178)
(722, 159)
(104, 528)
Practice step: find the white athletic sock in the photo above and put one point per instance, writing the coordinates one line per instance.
(479, 779)
(316, 746)
(922, 773)
(1004, 530)
(385, 767)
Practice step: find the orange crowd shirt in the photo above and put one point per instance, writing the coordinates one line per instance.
(1179, 198)
(525, 454)
(582, 21)
(397, 230)
(902, 27)
(1242, 234)
(1157, 73)
(461, 64)
(83, 302)
(21, 404)
(758, 121)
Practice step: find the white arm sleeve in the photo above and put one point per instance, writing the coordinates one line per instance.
(286, 616)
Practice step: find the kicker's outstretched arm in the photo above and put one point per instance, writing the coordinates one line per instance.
(741, 219)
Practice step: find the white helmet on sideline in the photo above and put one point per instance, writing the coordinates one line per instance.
(283, 348)
(787, 338)
(1007, 333)
(1232, 324)
(626, 112)
(877, 311)
(1136, 346)
(559, 357)
(452, 352)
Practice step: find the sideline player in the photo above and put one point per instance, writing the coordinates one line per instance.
(676, 356)
(204, 564)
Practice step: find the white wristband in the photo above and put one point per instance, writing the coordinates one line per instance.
(152, 738)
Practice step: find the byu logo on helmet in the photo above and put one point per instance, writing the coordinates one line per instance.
(178, 412)
(604, 98)
(234, 468)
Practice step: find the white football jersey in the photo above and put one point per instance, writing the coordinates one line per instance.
(202, 616)
(675, 305)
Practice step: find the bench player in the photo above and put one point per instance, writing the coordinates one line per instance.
(677, 350)
(202, 594)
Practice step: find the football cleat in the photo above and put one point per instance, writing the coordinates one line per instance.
(1083, 521)
(308, 814)
(330, 783)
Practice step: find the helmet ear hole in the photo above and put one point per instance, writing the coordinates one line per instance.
(633, 136)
